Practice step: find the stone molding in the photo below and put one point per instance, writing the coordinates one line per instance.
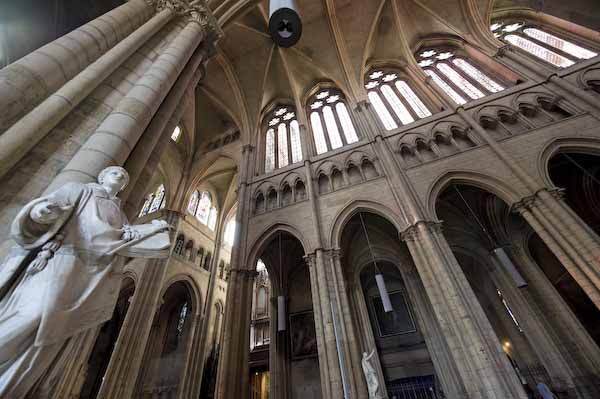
(411, 233)
(196, 11)
(531, 201)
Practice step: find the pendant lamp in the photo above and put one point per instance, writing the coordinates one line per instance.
(281, 322)
(383, 292)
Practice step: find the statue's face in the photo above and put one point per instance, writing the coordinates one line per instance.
(115, 178)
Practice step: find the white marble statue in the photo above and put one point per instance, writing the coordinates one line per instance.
(370, 375)
(63, 278)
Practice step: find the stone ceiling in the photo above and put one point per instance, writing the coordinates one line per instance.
(340, 40)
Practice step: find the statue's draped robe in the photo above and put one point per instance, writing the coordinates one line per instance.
(42, 313)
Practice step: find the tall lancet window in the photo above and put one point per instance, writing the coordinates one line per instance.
(541, 44)
(201, 206)
(330, 121)
(458, 76)
(282, 139)
(394, 100)
(154, 201)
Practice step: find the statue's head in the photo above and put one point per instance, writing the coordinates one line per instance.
(114, 177)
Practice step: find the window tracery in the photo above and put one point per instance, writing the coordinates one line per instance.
(330, 121)
(394, 100)
(541, 44)
(456, 75)
(154, 202)
(201, 206)
(282, 139)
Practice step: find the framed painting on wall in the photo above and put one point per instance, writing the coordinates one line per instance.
(303, 338)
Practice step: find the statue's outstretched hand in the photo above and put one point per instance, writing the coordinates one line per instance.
(46, 212)
(130, 233)
(161, 223)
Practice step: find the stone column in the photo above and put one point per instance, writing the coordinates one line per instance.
(441, 355)
(116, 136)
(580, 353)
(481, 363)
(28, 81)
(33, 127)
(329, 366)
(577, 248)
(351, 348)
(279, 386)
(233, 378)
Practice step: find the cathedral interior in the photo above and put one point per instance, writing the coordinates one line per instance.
(404, 203)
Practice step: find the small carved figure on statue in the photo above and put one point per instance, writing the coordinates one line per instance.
(371, 375)
(62, 279)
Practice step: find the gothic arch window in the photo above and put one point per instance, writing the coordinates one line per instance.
(201, 206)
(154, 201)
(176, 134)
(229, 235)
(282, 139)
(541, 44)
(394, 100)
(458, 76)
(330, 121)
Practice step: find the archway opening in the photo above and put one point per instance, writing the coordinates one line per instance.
(402, 337)
(491, 244)
(166, 349)
(283, 353)
(105, 343)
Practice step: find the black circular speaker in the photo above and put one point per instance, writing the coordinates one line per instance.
(285, 27)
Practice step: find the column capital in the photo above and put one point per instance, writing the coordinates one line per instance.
(411, 233)
(245, 273)
(501, 51)
(310, 259)
(247, 148)
(335, 253)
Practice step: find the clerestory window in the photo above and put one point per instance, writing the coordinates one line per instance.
(394, 100)
(330, 121)
(201, 206)
(154, 201)
(459, 77)
(282, 140)
(541, 44)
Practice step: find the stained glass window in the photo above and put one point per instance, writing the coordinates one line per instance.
(414, 101)
(561, 44)
(457, 98)
(539, 51)
(479, 76)
(181, 320)
(282, 144)
(384, 115)
(460, 81)
(270, 151)
(399, 104)
(539, 43)
(176, 133)
(315, 121)
(154, 201)
(327, 107)
(458, 77)
(282, 147)
(346, 122)
(229, 235)
(204, 207)
(295, 141)
(212, 218)
(193, 203)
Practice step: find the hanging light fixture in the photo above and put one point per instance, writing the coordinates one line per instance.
(383, 292)
(281, 324)
(285, 25)
(498, 251)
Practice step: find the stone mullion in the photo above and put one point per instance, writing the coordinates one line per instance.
(338, 123)
(470, 79)
(461, 316)
(436, 100)
(324, 129)
(547, 46)
(453, 85)
(288, 132)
